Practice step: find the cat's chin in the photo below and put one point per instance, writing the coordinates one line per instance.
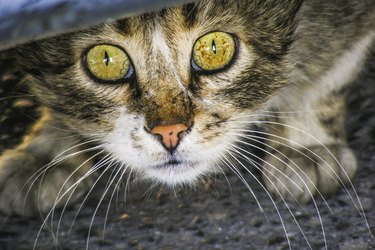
(176, 173)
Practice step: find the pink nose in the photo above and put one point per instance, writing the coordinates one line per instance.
(169, 134)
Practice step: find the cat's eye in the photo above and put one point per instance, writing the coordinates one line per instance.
(213, 51)
(108, 63)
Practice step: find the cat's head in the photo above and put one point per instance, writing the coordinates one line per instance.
(168, 94)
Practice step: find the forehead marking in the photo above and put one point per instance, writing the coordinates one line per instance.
(159, 44)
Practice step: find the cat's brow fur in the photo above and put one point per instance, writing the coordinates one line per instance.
(288, 76)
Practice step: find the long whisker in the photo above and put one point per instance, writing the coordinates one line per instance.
(65, 193)
(234, 147)
(250, 137)
(60, 198)
(40, 173)
(97, 207)
(127, 185)
(308, 190)
(310, 136)
(360, 208)
(239, 175)
(62, 156)
(258, 166)
(112, 195)
(102, 163)
(76, 184)
(225, 176)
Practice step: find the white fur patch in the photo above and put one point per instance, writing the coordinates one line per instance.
(130, 144)
(348, 65)
(159, 44)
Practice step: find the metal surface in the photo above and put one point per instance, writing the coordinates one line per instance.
(25, 20)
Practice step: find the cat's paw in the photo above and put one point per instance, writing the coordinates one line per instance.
(301, 173)
(27, 190)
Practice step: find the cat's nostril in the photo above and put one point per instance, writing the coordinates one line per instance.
(169, 134)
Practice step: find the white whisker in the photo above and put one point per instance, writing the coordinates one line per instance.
(239, 175)
(102, 163)
(360, 208)
(39, 174)
(99, 203)
(251, 137)
(259, 167)
(76, 184)
(112, 195)
(60, 197)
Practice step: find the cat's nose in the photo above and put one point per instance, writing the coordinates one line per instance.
(170, 134)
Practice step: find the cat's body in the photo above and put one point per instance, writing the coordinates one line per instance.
(171, 121)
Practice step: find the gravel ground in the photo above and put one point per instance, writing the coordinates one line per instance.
(222, 214)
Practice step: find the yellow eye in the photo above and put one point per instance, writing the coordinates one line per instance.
(214, 51)
(108, 63)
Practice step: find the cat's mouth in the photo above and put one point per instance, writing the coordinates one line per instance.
(175, 170)
(172, 163)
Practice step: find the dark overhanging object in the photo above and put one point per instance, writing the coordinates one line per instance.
(25, 20)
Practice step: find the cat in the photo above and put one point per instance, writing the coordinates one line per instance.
(178, 95)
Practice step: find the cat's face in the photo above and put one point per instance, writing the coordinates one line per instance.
(211, 66)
